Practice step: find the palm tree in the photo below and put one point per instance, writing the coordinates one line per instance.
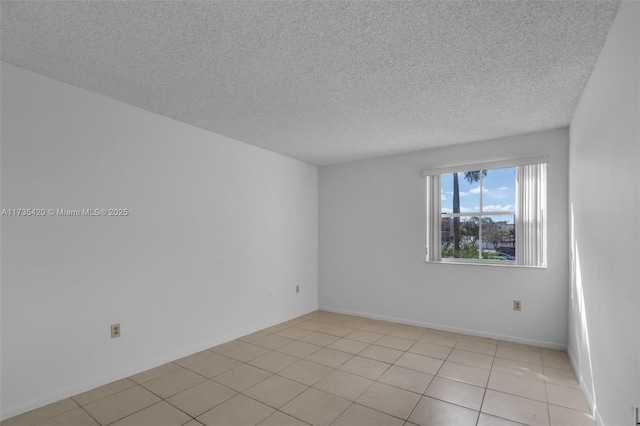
(470, 177)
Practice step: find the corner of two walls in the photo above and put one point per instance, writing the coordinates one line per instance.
(372, 244)
(604, 338)
(217, 235)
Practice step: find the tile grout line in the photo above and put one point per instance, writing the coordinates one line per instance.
(484, 394)
(430, 382)
(368, 326)
(88, 414)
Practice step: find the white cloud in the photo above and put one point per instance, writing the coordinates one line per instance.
(462, 210)
(442, 197)
(486, 208)
(499, 208)
(476, 190)
(501, 193)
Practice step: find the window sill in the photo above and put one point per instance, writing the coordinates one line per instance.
(499, 264)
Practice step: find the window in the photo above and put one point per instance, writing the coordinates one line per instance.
(478, 210)
(490, 213)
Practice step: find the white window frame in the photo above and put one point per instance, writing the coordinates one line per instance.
(480, 214)
(531, 211)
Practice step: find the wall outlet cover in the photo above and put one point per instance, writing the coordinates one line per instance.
(115, 331)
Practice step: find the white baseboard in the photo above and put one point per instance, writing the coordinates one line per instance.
(83, 387)
(479, 333)
(585, 389)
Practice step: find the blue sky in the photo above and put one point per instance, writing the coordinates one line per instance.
(499, 192)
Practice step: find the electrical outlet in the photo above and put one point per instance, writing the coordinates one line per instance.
(297, 289)
(115, 330)
(517, 305)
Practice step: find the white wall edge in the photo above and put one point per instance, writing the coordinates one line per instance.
(67, 393)
(531, 342)
(585, 389)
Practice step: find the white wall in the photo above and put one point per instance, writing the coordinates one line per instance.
(372, 248)
(604, 339)
(214, 225)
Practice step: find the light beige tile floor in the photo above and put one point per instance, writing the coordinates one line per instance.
(332, 369)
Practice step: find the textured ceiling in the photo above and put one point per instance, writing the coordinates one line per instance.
(323, 82)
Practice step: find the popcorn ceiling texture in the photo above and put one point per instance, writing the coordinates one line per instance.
(324, 82)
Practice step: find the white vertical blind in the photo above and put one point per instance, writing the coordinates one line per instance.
(433, 219)
(531, 210)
